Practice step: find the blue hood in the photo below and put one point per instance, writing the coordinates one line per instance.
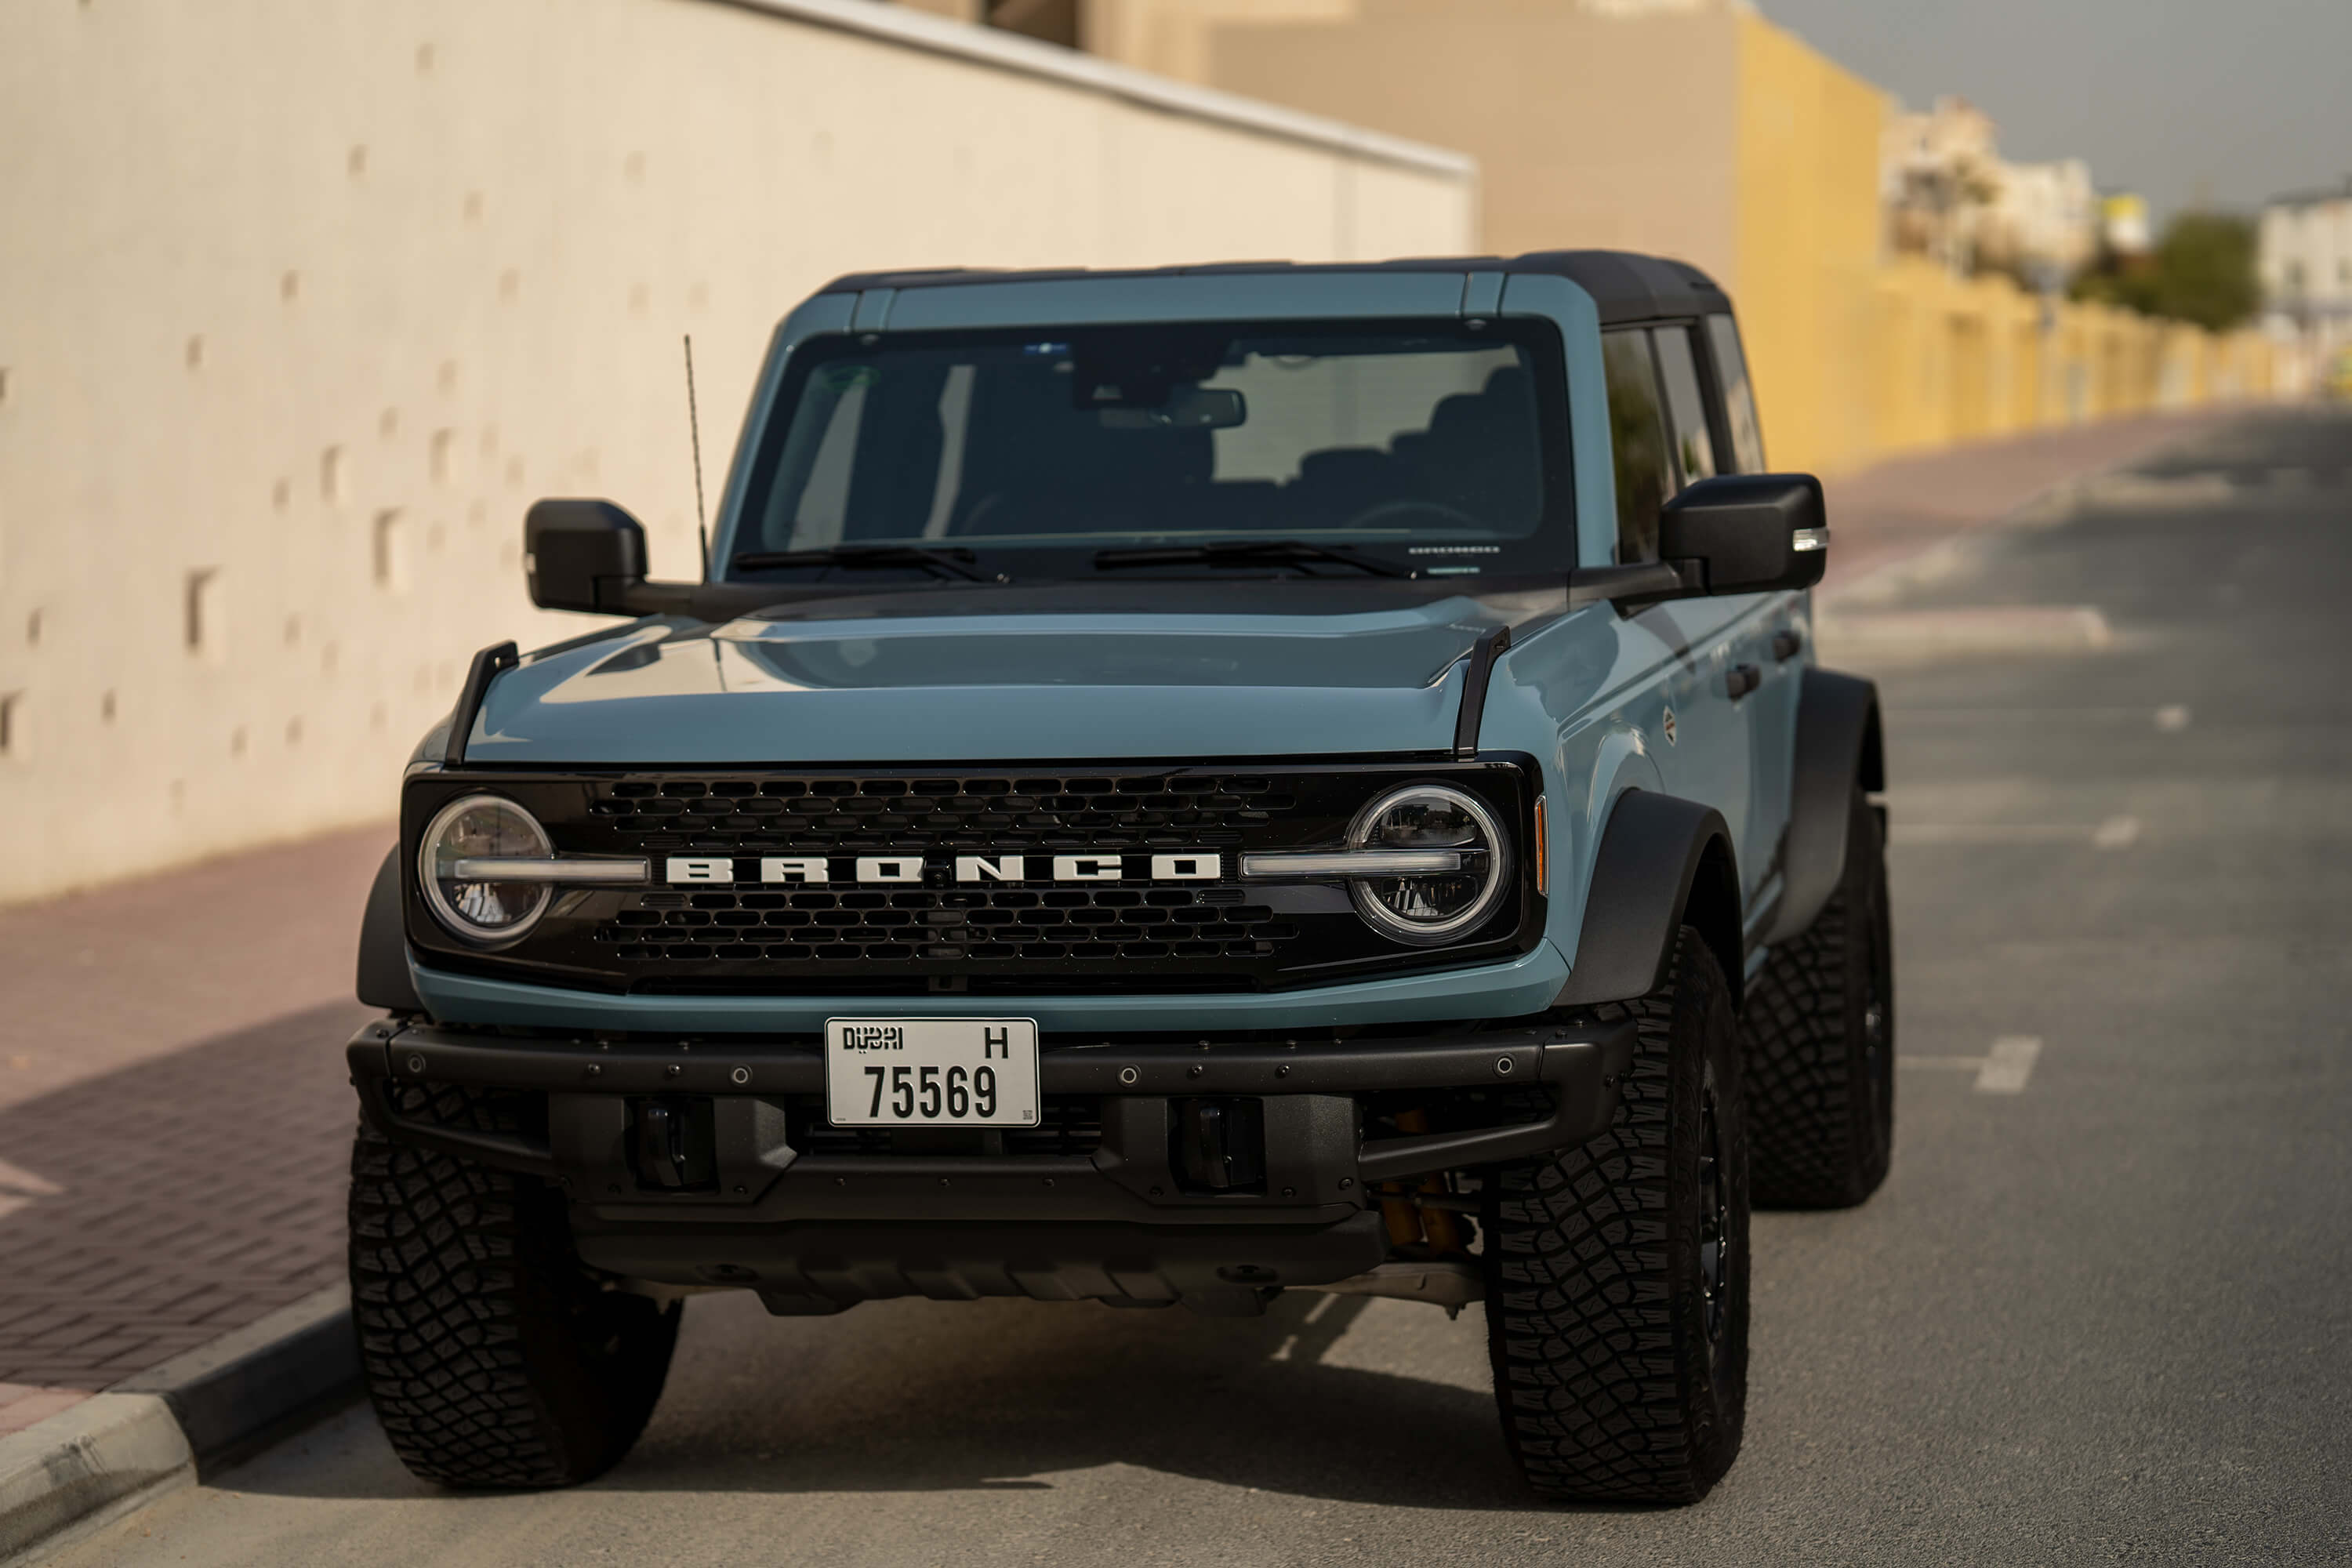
(921, 677)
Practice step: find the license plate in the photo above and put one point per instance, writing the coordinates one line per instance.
(931, 1072)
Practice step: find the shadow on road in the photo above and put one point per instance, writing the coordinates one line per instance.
(149, 1209)
(913, 1396)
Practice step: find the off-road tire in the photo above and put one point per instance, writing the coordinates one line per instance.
(494, 1359)
(1820, 1025)
(1619, 1339)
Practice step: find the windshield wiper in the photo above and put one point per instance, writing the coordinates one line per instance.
(1247, 552)
(946, 562)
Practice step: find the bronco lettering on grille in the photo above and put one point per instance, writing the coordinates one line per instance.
(906, 871)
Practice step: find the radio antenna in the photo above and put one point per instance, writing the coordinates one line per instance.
(694, 433)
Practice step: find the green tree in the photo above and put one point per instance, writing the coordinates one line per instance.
(2202, 272)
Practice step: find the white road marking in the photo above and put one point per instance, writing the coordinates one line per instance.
(1983, 832)
(1963, 630)
(2004, 1069)
(1321, 1306)
(2116, 833)
(19, 1188)
(23, 1181)
(2073, 718)
(2008, 1065)
(2172, 718)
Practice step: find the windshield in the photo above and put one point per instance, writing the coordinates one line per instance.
(1421, 445)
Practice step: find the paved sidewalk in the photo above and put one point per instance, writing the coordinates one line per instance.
(1900, 508)
(174, 1116)
(174, 1119)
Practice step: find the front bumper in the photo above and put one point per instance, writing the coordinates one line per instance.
(814, 1231)
(1517, 988)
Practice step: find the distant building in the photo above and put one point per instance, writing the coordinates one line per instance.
(1938, 172)
(2305, 257)
(1949, 196)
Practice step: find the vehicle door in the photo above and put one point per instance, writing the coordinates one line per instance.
(1775, 639)
(1663, 440)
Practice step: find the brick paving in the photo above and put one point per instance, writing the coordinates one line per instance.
(183, 1197)
(174, 1119)
(1899, 508)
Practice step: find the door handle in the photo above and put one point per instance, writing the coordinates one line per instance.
(1787, 643)
(1741, 680)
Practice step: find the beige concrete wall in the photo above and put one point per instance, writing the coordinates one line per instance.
(1177, 38)
(303, 301)
(1590, 130)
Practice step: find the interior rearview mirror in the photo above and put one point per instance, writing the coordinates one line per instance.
(1747, 533)
(583, 555)
(1188, 408)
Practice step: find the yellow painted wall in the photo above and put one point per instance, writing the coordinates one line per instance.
(1805, 233)
(1955, 359)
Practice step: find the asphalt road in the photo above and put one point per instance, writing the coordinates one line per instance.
(2099, 1312)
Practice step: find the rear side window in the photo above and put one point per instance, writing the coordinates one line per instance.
(1637, 437)
(1685, 406)
(1738, 402)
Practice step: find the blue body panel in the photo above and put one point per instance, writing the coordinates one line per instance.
(983, 687)
(1586, 694)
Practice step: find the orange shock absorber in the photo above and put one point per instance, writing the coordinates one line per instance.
(1409, 1223)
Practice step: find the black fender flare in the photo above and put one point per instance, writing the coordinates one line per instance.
(1664, 862)
(384, 978)
(1838, 747)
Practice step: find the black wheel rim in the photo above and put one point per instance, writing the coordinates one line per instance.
(1714, 1239)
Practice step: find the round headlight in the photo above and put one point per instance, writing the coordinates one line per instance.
(1434, 907)
(483, 828)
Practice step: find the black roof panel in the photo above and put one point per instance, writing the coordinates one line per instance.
(1626, 285)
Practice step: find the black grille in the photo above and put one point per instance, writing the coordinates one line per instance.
(749, 818)
(936, 931)
(938, 924)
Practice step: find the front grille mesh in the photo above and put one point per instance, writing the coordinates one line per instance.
(1020, 923)
(935, 923)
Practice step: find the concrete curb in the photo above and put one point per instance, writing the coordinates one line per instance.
(110, 1449)
(152, 1433)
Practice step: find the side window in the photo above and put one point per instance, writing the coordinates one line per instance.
(1739, 401)
(1685, 406)
(1637, 433)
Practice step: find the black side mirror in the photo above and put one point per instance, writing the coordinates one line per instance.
(584, 555)
(1747, 533)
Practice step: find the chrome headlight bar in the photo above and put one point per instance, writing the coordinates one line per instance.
(620, 872)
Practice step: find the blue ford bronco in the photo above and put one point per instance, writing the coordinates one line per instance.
(1172, 786)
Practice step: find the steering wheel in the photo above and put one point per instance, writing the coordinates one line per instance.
(1407, 507)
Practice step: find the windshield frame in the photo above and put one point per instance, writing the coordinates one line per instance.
(1549, 552)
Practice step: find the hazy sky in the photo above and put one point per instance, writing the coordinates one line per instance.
(2229, 101)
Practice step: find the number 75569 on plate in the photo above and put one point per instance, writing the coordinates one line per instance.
(931, 1072)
